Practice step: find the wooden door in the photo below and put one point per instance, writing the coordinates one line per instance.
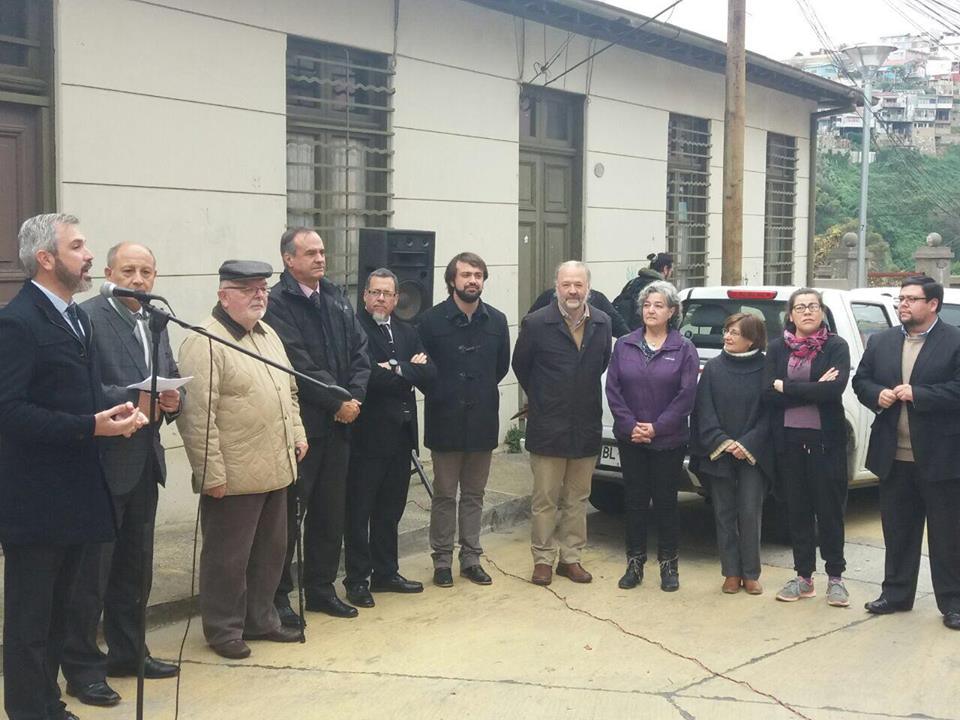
(20, 186)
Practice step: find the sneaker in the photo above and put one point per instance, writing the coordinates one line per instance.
(795, 589)
(837, 594)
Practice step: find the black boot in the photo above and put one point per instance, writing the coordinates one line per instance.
(669, 575)
(634, 574)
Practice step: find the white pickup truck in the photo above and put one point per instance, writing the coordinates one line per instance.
(852, 314)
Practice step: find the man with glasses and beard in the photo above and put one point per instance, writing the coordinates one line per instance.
(470, 343)
(910, 377)
(380, 450)
(561, 353)
(53, 497)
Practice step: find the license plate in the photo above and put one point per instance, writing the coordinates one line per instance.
(609, 456)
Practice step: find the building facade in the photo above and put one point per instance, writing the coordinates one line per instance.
(203, 128)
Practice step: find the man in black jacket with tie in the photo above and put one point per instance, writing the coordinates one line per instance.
(324, 340)
(53, 498)
(112, 575)
(910, 377)
(383, 438)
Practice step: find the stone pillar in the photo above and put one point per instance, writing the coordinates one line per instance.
(843, 260)
(934, 259)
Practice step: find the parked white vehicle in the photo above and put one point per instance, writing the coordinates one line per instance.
(949, 313)
(852, 314)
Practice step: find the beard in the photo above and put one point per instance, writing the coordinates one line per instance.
(468, 296)
(573, 303)
(379, 317)
(73, 283)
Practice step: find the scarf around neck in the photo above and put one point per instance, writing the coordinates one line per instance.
(805, 349)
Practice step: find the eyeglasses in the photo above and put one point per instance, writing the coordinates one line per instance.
(732, 332)
(910, 299)
(802, 308)
(381, 293)
(248, 290)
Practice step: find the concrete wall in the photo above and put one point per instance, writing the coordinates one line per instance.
(171, 130)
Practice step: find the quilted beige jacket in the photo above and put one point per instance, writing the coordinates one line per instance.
(254, 412)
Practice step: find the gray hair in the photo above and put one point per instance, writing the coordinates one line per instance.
(40, 233)
(669, 293)
(112, 252)
(383, 273)
(573, 265)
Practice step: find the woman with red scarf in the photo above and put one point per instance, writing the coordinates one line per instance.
(806, 372)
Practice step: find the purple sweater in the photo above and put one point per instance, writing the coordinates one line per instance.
(659, 391)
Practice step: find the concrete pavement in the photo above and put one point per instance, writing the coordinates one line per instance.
(515, 650)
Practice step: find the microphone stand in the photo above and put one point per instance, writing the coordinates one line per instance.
(158, 320)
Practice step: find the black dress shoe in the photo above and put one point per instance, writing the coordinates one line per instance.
(476, 574)
(67, 715)
(95, 693)
(289, 617)
(397, 584)
(952, 619)
(443, 577)
(153, 669)
(359, 595)
(882, 606)
(332, 606)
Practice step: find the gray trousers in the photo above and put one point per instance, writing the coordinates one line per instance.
(738, 508)
(468, 471)
(244, 542)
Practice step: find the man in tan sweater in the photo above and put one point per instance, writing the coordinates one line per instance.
(244, 438)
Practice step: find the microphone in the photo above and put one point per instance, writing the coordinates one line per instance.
(110, 289)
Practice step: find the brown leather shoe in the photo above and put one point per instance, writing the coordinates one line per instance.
(731, 585)
(753, 587)
(575, 572)
(542, 574)
(232, 649)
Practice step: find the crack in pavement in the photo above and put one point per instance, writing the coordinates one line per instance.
(655, 643)
(791, 646)
(831, 708)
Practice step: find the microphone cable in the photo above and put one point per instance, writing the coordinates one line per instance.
(196, 534)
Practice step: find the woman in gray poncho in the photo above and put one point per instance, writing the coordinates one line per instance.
(730, 443)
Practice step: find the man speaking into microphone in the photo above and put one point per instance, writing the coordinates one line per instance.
(112, 575)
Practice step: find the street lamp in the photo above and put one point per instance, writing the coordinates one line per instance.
(867, 59)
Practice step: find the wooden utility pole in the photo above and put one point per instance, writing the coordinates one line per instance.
(735, 116)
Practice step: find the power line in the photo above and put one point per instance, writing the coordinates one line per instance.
(615, 41)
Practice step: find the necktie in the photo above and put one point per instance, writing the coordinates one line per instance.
(315, 299)
(143, 338)
(385, 329)
(74, 319)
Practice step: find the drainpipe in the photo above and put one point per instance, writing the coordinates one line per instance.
(815, 118)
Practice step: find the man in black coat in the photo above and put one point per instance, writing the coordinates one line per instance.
(53, 498)
(910, 377)
(384, 436)
(560, 356)
(112, 575)
(324, 340)
(470, 343)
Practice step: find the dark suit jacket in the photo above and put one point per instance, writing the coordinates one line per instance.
(331, 349)
(52, 490)
(934, 413)
(120, 359)
(562, 381)
(388, 417)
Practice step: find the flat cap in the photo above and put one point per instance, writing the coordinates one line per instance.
(244, 270)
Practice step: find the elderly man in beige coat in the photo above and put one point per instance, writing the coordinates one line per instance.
(243, 437)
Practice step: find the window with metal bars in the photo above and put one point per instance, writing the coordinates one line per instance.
(688, 193)
(339, 102)
(779, 226)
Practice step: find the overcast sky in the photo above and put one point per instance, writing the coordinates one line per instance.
(777, 28)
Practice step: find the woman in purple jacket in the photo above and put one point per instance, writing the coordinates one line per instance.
(651, 386)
